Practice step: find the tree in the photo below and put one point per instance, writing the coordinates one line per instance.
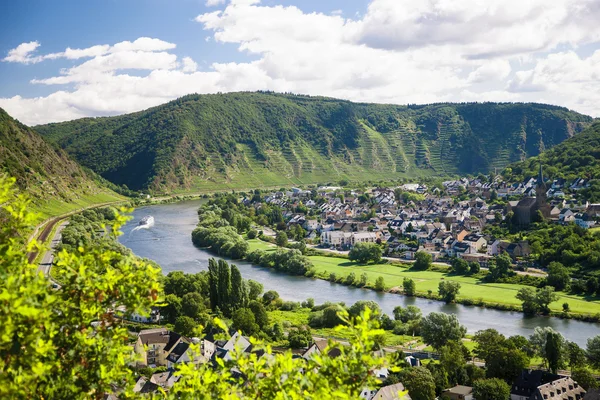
(437, 329)
(252, 234)
(491, 389)
(224, 286)
(553, 350)
(488, 341)
(585, 378)
(545, 296)
(300, 337)
(192, 305)
(239, 293)
(357, 308)
(281, 239)
(278, 331)
(423, 260)
(528, 299)
(409, 287)
(410, 313)
(365, 252)
(331, 317)
(448, 290)
(452, 360)
(550, 345)
(260, 314)
(244, 321)
(577, 356)
(538, 301)
(363, 280)
(380, 284)
(185, 326)
(350, 278)
(474, 267)
(440, 377)
(255, 289)
(591, 285)
(270, 297)
(460, 265)
(500, 267)
(506, 363)
(419, 383)
(171, 308)
(593, 351)
(558, 276)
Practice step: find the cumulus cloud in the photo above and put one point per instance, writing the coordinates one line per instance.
(22, 53)
(189, 65)
(399, 51)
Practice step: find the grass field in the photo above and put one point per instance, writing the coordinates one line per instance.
(51, 208)
(472, 288)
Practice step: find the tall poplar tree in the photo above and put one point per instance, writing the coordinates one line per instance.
(239, 295)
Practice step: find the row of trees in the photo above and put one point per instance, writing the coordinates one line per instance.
(290, 261)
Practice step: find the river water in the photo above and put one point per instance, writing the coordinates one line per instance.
(169, 243)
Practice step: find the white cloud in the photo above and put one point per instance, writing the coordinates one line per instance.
(22, 53)
(399, 51)
(189, 65)
(212, 3)
(492, 70)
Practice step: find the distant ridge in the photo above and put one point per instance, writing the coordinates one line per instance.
(244, 140)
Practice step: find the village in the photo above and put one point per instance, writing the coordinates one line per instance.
(453, 220)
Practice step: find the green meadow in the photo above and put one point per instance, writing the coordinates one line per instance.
(471, 288)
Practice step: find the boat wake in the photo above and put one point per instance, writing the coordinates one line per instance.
(145, 223)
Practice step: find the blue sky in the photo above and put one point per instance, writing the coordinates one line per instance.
(388, 51)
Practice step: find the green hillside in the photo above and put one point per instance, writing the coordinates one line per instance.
(55, 183)
(577, 157)
(244, 140)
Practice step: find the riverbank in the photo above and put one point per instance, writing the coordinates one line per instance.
(501, 296)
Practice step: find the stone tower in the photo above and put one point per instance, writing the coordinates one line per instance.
(541, 199)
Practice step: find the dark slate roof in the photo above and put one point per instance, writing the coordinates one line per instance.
(178, 351)
(529, 380)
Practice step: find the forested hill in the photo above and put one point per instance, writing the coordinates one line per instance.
(577, 157)
(54, 182)
(244, 140)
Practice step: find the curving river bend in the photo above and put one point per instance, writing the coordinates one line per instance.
(169, 243)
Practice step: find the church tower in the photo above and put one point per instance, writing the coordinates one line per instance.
(541, 199)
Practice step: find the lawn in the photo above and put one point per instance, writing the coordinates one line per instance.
(257, 244)
(471, 288)
(393, 274)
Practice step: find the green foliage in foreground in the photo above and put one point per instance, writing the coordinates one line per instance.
(67, 343)
(49, 347)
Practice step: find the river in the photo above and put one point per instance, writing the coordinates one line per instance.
(169, 243)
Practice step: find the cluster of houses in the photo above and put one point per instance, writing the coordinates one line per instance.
(436, 221)
(164, 348)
